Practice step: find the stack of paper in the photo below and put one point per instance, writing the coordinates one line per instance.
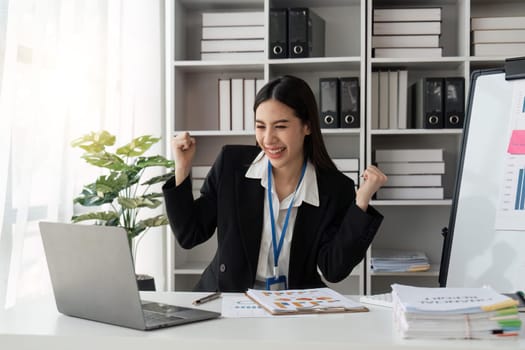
(349, 167)
(232, 35)
(469, 313)
(412, 173)
(406, 32)
(498, 36)
(393, 260)
(198, 175)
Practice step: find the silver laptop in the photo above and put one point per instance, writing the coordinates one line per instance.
(93, 278)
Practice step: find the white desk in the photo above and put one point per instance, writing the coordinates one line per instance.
(39, 326)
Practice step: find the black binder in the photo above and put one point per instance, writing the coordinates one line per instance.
(278, 41)
(429, 103)
(328, 105)
(306, 32)
(454, 102)
(349, 116)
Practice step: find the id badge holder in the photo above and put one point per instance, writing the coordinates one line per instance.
(276, 283)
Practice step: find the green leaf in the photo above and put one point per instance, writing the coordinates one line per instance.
(91, 196)
(160, 178)
(127, 203)
(137, 146)
(113, 222)
(144, 162)
(113, 183)
(154, 195)
(126, 167)
(148, 201)
(159, 220)
(94, 142)
(106, 216)
(104, 190)
(105, 160)
(133, 174)
(137, 230)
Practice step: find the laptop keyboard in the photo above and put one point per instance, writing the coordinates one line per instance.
(158, 315)
(155, 317)
(161, 308)
(158, 312)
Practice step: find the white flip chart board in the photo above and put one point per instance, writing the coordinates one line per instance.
(485, 244)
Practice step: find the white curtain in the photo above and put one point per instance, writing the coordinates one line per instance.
(69, 67)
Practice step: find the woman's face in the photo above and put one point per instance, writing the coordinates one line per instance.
(279, 133)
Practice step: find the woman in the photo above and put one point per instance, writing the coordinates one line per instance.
(310, 222)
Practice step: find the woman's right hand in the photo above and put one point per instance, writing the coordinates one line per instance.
(183, 147)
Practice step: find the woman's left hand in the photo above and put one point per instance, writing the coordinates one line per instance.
(373, 178)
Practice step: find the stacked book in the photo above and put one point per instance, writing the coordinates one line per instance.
(406, 32)
(454, 313)
(236, 100)
(198, 175)
(395, 260)
(412, 173)
(349, 167)
(389, 99)
(232, 36)
(498, 36)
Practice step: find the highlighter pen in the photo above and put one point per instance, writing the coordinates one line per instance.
(207, 298)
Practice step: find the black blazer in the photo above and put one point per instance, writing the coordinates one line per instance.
(333, 236)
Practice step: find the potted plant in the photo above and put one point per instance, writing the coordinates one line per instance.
(122, 193)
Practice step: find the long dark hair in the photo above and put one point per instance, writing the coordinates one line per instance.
(296, 94)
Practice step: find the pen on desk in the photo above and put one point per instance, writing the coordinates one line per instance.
(521, 295)
(207, 298)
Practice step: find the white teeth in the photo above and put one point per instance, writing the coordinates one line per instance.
(275, 151)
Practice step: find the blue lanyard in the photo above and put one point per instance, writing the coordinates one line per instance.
(277, 248)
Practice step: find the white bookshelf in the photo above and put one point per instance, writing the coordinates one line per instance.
(417, 224)
(192, 104)
(191, 81)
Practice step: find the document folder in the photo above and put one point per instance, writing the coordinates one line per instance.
(306, 32)
(349, 116)
(328, 106)
(278, 33)
(429, 103)
(454, 108)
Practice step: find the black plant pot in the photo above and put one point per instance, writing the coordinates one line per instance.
(146, 283)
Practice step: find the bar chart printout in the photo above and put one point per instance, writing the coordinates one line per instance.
(510, 215)
(519, 190)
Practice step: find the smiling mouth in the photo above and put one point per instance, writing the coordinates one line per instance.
(275, 150)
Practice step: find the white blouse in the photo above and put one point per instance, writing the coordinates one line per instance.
(307, 192)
